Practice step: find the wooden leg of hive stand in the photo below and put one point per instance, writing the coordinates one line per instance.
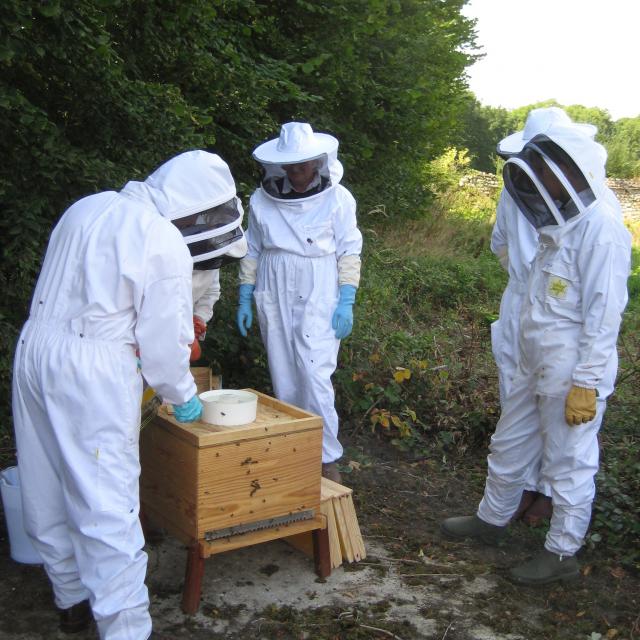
(321, 553)
(193, 580)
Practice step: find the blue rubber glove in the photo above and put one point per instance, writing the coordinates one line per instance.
(342, 321)
(244, 317)
(188, 411)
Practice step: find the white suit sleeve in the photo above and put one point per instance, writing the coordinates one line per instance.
(203, 304)
(499, 244)
(249, 264)
(348, 238)
(248, 270)
(164, 326)
(604, 269)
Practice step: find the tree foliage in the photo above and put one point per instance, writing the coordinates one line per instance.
(96, 92)
(480, 128)
(624, 148)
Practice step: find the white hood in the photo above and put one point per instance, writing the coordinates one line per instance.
(189, 183)
(198, 182)
(541, 121)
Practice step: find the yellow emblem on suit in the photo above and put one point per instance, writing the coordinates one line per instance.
(558, 287)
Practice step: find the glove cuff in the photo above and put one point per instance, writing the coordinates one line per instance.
(245, 293)
(347, 294)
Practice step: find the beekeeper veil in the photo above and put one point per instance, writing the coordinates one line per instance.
(556, 177)
(196, 191)
(299, 143)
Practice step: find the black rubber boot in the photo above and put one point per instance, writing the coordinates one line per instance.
(463, 527)
(76, 618)
(546, 567)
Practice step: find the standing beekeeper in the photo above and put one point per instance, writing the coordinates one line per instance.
(569, 323)
(303, 269)
(116, 277)
(514, 240)
(206, 274)
(206, 292)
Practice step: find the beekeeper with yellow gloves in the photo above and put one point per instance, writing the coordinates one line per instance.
(116, 277)
(514, 240)
(303, 269)
(569, 322)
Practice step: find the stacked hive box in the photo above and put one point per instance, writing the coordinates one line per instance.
(345, 539)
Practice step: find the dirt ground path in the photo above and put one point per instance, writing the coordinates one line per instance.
(414, 584)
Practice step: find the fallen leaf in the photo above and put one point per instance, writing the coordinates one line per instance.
(587, 569)
(612, 633)
(618, 572)
(401, 374)
(355, 466)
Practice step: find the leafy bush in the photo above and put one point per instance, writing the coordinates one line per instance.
(94, 94)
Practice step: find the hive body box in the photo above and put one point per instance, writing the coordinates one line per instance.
(198, 480)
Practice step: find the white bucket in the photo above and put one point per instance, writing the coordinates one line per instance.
(229, 407)
(20, 544)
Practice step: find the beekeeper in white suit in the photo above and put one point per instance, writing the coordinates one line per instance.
(303, 269)
(206, 274)
(206, 292)
(116, 277)
(569, 322)
(514, 241)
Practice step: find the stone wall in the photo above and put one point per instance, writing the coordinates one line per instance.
(627, 191)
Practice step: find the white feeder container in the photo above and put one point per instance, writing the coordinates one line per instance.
(229, 407)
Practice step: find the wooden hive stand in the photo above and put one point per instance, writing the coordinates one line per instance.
(345, 539)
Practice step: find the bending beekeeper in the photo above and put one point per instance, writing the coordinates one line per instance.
(514, 240)
(116, 277)
(303, 269)
(568, 327)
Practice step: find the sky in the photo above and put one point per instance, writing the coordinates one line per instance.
(575, 51)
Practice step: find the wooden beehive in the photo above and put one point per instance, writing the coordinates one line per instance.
(198, 478)
(345, 539)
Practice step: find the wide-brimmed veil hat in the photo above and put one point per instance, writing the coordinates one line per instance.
(297, 142)
(540, 121)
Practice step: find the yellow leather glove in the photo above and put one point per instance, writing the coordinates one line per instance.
(580, 406)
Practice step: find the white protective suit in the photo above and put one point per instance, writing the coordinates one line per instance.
(116, 277)
(206, 292)
(568, 326)
(515, 241)
(303, 249)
